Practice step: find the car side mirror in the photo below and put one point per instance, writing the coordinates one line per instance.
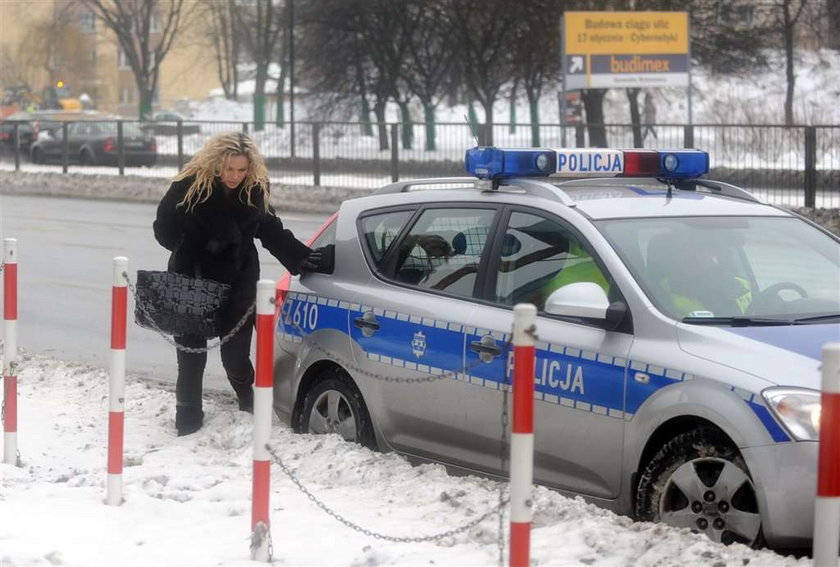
(586, 300)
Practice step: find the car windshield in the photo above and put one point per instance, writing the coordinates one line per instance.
(732, 270)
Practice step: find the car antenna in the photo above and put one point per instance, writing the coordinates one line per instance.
(472, 130)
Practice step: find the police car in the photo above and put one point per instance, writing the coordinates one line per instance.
(680, 324)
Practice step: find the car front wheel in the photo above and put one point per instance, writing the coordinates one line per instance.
(699, 480)
(335, 405)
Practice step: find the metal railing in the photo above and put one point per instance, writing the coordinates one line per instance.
(787, 165)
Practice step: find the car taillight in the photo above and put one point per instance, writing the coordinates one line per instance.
(280, 293)
(153, 145)
(110, 146)
(5, 136)
(283, 284)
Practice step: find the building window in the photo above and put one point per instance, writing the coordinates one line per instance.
(155, 24)
(87, 22)
(92, 57)
(126, 95)
(122, 60)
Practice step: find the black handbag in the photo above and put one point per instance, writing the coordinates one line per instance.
(180, 305)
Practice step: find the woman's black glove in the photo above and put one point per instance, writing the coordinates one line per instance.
(311, 262)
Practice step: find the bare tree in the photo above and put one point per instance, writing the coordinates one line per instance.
(224, 39)
(135, 23)
(536, 49)
(430, 52)
(787, 14)
(261, 24)
(485, 49)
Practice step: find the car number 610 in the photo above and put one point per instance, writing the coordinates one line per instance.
(304, 315)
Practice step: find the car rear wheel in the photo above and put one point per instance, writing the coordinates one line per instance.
(335, 405)
(699, 480)
(86, 158)
(37, 156)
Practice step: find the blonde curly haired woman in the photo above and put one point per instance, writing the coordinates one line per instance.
(211, 214)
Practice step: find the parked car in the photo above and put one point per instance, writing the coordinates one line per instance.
(29, 124)
(680, 322)
(166, 124)
(96, 143)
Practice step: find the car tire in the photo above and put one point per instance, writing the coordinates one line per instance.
(335, 405)
(698, 480)
(37, 157)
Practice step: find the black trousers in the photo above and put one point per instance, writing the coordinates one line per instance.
(236, 360)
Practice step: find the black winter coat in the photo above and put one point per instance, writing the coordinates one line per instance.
(215, 240)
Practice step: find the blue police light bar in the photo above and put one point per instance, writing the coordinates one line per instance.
(683, 163)
(498, 163)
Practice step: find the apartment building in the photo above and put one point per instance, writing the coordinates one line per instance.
(47, 43)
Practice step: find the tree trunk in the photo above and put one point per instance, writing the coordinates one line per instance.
(381, 126)
(512, 119)
(635, 116)
(593, 102)
(791, 78)
(408, 125)
(146, 96)
(259, 101)
(364, 117)
(280, 117)
(429, 119)
(488, 122)
(534, 108)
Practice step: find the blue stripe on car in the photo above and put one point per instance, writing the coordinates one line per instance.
(563, 375)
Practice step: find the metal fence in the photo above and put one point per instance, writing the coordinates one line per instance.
(787, 165)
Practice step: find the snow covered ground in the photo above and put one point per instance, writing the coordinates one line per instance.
(187, 499)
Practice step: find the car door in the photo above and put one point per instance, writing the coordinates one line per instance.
(408, 326)
(580, 366)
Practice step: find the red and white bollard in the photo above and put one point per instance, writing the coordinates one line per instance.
(263, 402)
(827, 506)
(522, 434)
(116, 390)
(10, 351)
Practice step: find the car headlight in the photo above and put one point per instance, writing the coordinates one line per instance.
(798, 409)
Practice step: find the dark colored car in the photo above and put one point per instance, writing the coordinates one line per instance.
(96, 143)
(166, 124)
(28, 125)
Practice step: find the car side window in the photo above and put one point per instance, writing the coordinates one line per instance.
(538, 256)
(380, 230)
(76, 129)
(443, 249)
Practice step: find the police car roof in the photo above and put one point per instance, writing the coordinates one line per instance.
(598, 198)
(603, 198)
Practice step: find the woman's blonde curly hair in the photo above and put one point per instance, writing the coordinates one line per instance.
(210, 161)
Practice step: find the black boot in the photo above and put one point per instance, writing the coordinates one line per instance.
(246, 399)
(188, 419)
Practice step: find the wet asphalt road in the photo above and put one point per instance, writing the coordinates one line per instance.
(65, 252)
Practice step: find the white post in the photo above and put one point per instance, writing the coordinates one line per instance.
(10, 351)
(116, 389)
(522, 434)
(263, 397)
(827, 506)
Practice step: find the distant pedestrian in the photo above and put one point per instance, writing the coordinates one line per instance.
(649, 117)
(211, 214)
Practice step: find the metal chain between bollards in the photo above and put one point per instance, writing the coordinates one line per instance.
(170, 340)
(396, 539)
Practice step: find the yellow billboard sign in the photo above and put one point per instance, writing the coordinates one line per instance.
(626, 33)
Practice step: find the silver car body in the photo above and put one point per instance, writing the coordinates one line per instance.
(605, 399)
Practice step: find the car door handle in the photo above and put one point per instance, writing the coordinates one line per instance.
(367, 323)
(486, 348)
